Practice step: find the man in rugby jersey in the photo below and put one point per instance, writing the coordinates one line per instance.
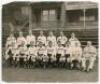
(21, 39)
(51, 38)
(42, 57)
(23, 52)
(30, 38)
(41, 38)
(89, 54)
(73, 40)
(62, 38)
(10, 52)
(32, 54)
(60, 55)
(76, 56)
(51, 53)
(11, 39)
(67, 54)
(15, 52)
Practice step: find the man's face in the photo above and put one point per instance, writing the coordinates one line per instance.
(50, 44)
(59, 44)
(40, 44)
(50, 33)
(89, 43)
(73, 35)
(41, 33)
(11, 35)
(32, 43)
(20, 34)
(61, 33)
(68, 44)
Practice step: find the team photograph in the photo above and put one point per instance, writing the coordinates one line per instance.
(50, 42)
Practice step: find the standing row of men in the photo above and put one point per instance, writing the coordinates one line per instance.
(42, 38)
(50, 51)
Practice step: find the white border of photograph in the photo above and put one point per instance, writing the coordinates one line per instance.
(2, 2)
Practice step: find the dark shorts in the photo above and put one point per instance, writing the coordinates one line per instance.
(22, 54)
(67, 55)
(49, 55)
(10, 53)
(58, 55)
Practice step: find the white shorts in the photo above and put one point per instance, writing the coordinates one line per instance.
(6, 57)
(39, 58)
(33, 58)
(88, 58)
(53, 58)
(62, 59)
(45, 58)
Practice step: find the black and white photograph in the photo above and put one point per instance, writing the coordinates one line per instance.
(50, 42)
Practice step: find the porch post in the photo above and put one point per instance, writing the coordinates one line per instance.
(84, 13)
(30, 18)
(63, 15)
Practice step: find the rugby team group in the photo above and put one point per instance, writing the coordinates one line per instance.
(49, 52)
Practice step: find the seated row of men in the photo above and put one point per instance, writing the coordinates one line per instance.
(50, 52)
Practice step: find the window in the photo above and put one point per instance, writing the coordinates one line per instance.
(25, 11)
(49, 15)
(45, 15)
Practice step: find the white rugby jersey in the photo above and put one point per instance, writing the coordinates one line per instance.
(30, 38)
(52, 39)
(62, 39)
(42, 39)
(73, 41)
(60, 50)
(23, 50)
(10, 40)
(42, 50)
(20, 40)
(76, 51)
(67, 50)
(51, 50)
(32, 50)
(13, 49)
(90, 51)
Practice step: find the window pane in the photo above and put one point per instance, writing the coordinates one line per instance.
(45, 12)
(52, 12)
(45, 16)
(25, 11)
(52, 15)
